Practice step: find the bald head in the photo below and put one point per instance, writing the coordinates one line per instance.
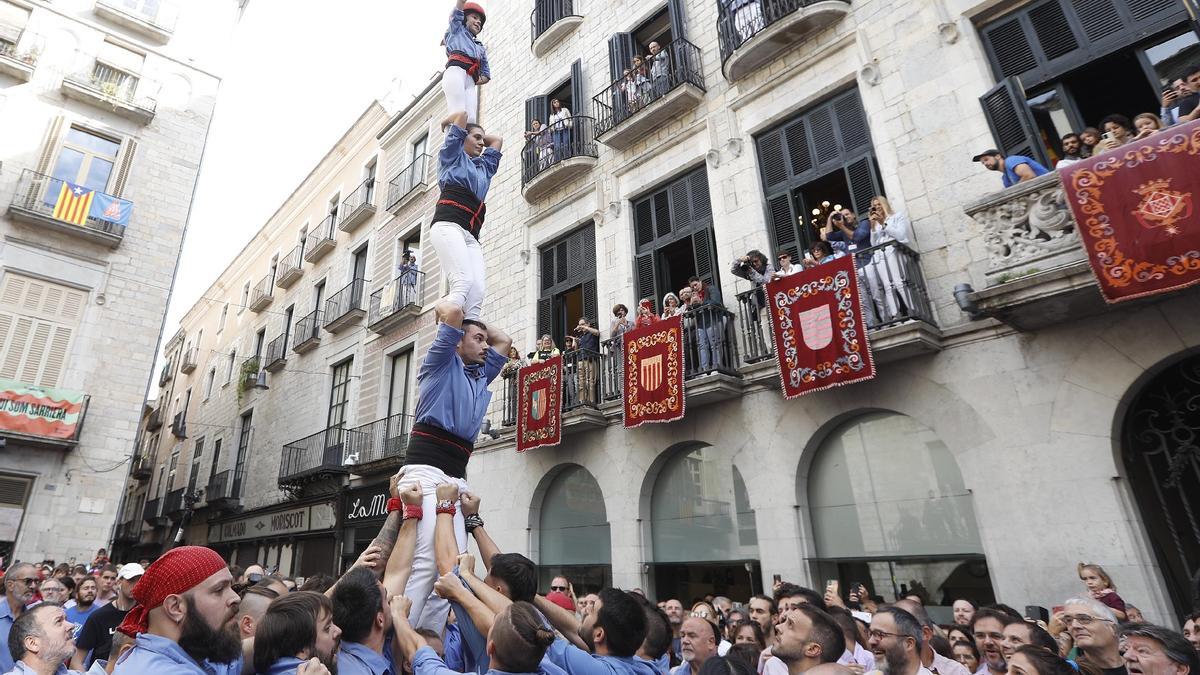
(254, 605)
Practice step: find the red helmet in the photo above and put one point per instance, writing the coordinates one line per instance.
(475, 7)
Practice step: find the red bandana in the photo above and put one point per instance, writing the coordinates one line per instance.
(177, 571)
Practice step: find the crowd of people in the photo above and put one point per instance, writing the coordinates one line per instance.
(1180, 103)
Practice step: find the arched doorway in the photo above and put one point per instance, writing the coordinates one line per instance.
(889, 509)
(703, 531)
(573, 533)
(1160, 446)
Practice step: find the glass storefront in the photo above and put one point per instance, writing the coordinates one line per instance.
(574, 536)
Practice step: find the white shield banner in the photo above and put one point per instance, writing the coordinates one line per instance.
(816, 327)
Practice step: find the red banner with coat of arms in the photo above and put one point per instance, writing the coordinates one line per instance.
(653, 373)
(1137, 213)
(820, 334)
(539, 405)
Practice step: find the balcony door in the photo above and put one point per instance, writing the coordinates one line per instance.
(194, 472)
(568, 284)
(398, 383)
(242, 451)
(673, 233)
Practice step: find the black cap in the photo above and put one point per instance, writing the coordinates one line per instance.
(985, 153)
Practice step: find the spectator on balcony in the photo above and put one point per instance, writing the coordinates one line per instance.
(641, 75)
(885, 274)
(645, 314)
(1090, 137)
(747, 17)
(710, 324)
(786, 268)
(467, 65)
(545, 351)
(560, 128)
(538, 144)
(570, 371)
(588, 339)
(844, 230)
(660, 68)
(1118, 131)
(407, 273)
(1146, 124)
(515, 363)
(1189, 106)
(670, 306)
(1072, 150)
(755, 268)
(1015, 168)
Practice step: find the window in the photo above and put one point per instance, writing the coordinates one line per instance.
(116, 70)
(398, 383)
(573, 532)
(215, 467)
(673, 236)
(38, 320)
(359, 266)
(172, 468)
(333, 206)
(568, 284)
(303, 238)
(242, 451)
(420, 146)
(194, 472)
(369, 179)
(319, 295)
(412, 243)
(208, 382)
(274, 268)
(339, 395)
(230, 366)
(245, 298)
(224, 315)
(288, 315)
(824, 154)
(86, 159)
(259, 339)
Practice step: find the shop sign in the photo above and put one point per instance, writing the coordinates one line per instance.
(366, 504)
(274, 524)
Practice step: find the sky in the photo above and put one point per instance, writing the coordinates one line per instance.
(295, 80)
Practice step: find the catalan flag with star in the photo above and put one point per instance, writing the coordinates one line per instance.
(74, 203)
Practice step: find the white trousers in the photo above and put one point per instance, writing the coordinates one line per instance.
(428, 610)
(462, 264)
(461, 93)
(886, 278)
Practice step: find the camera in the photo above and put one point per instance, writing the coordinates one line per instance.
(837, 217)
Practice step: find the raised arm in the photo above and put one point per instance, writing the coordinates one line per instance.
(487, 547)
(399, 563)
(564, 621)
(495, 600)
(445, 547)
(407, 640)
(494, 142)
(451, 588)
(498, 339)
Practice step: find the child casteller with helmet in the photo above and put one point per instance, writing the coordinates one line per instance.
(467, 63)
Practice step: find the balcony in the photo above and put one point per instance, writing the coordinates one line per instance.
(127, 532)
(224, 491)
(261, 295)
(319, 456)
(308, 333)
(412, 180)
(154, 422)
(152, 513)
(400, 299)
(188, 363)
(321, 240)
(179, 425)
(896, 307)
(758, 32)
(345, 308)
(551, 22)
(249, 375)
(110, 89)
(152, 19)
(289, 269)
(276, 357)
(166, 374)
(19, 56)
(627, 110)
(379, 446)
(176, 504)
(358, 207)
(143, 466)
(35, 200)
(558, 156)
(1037, 272)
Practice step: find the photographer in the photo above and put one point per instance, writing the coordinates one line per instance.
(755, 268)
(885, 274)
(588, 341)
(844, 229)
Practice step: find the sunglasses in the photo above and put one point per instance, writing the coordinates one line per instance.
(562, 589)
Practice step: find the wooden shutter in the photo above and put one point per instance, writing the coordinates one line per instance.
(678, 19)
(14, 490)
(537, 107)
(562, 262)
(124, 165)
(643, 223)
(863, 182)
(547, 256)
(663, 225)
(12, 20)
(822, 127)
(578, 100)
(38, 320)
(590, 308)
(782, 218)
(706, 258)
(1053, 31)
(851, 123)
(50, 144)
(1012, 54)
(680, 209)
(770, 157)
(1011, 120)
(701, 203)
(621, 48)
(1099, 19)
(646, 282)
(545, 316)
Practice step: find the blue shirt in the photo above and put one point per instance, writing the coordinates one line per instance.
(19, 668)
(427, 662)
(161, 656)
(459, 39)
(474, 643)
(6, 624)
(78, 616)
(578, 662)
(450, 394)
(358, 659)
(452, 642)
(456, 167)
(662, 666)
(1010, 168)
(287, 666)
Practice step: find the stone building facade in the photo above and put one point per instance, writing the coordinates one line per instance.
(115, 98)
(1011, 430)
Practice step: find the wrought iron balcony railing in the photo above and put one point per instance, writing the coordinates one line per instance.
(344, 306)
(573, 137)
(308, 333)
(359, 206)
(676, 65)
(400, 297)
(320, 455)
(411, 177)
(321, 240)
(37, 196)
(382, 442)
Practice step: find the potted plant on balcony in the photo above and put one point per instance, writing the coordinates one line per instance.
(247, 378)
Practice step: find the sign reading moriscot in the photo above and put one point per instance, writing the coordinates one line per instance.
(265, 525)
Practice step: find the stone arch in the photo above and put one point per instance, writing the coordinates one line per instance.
(568, 524)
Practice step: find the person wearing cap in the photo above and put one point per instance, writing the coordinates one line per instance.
(467, 62)
(1016, 168)
(181, 622)
(1153, 650)
(94, 642)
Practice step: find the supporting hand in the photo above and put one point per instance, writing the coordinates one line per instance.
(447, 491)
(370, 558)
(470, 504)
(411, 495)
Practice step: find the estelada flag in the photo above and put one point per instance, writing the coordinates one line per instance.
(653, 373)
(539, 405)
(74, 203)
(818, 327)
(1137, 213)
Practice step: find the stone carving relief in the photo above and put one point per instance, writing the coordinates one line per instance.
(1027, 226)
